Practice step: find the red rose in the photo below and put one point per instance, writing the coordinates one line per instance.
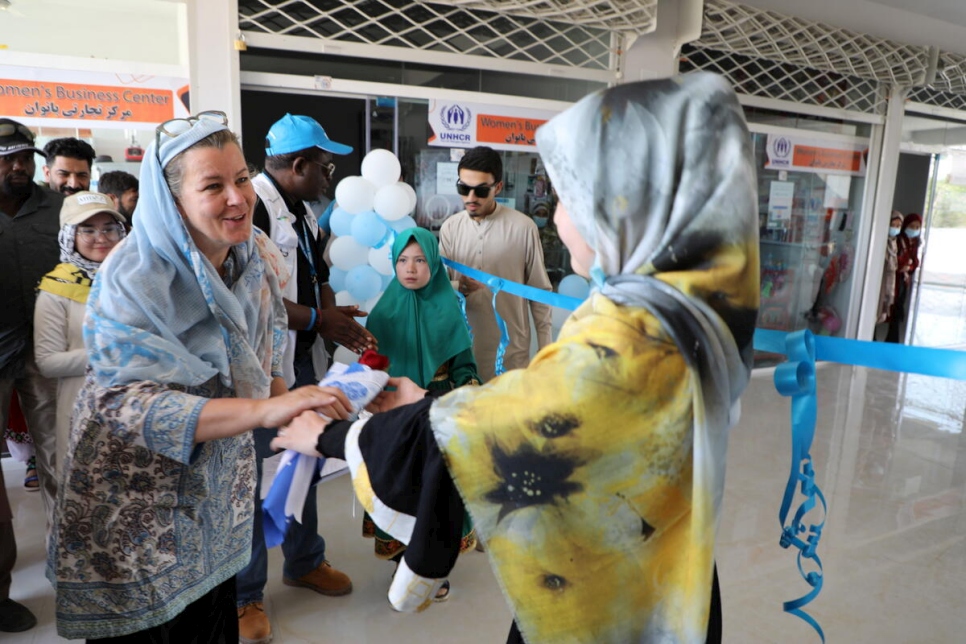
(374, 360)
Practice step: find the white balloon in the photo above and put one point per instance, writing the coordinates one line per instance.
(342, 298)
(381, 259)
(412, 195)
(391, 202)
(381, 167)
(355, 195)
(346, 253)
(344, 356)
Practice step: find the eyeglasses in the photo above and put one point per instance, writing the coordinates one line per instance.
(176, 127)
(110, 233)
(329, 168)
(482, 191)
(7, 129)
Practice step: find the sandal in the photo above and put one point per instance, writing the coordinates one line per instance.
(31, 482)
(443, 593)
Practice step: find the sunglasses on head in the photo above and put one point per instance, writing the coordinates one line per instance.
(482, 191)
(176, 127)
(8, 129)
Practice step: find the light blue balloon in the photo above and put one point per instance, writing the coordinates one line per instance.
(402, 224)
(386, 279)
(341, 222)
(337, 279)
(574, 286)
(368, 229)
(363, 283)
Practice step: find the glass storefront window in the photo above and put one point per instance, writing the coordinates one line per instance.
(433, 175)
(807, 225)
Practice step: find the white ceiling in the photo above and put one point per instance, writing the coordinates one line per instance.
(918, 22)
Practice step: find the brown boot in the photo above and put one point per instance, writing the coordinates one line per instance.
(324, 580)
(253, 624)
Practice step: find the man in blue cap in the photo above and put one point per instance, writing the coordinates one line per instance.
(298, 169)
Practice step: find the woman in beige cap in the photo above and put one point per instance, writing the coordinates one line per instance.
(90, 228)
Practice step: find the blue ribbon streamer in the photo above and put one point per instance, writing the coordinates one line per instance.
(497, 284)
(796, 379)
(942, 363)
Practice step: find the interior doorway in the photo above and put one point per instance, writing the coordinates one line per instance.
(932, 173)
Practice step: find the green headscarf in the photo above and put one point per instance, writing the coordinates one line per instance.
(419, 329)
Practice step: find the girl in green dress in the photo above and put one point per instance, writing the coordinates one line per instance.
(419, 325)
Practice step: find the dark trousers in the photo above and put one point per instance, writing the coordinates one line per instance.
(211, 619)
(714, 618)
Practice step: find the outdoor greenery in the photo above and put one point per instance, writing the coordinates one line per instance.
(950, 207)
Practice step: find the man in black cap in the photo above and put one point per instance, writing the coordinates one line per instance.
(29, 223)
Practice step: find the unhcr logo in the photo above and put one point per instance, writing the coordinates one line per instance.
(456, 117)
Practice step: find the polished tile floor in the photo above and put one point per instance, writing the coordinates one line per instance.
(888, 452)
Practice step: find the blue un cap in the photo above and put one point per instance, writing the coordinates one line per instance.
(292, 133)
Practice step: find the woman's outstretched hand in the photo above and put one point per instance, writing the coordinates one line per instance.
(329, 401)
(406, 392)
(302, 434)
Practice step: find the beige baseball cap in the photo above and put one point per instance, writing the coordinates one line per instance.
(81, 206)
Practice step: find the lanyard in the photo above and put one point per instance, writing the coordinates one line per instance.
(303, 233)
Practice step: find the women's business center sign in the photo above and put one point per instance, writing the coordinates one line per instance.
(800, 154)
(55, 97)
(457, 124)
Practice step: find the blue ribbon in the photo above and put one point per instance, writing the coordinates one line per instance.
(520, 290)
(942, 363)
(497, 284)
(796, 379)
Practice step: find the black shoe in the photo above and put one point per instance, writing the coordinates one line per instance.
(15, 617)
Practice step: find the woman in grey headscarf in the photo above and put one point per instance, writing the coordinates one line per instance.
(595, 475)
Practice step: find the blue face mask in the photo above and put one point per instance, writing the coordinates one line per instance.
(894, 232)
(912, 234)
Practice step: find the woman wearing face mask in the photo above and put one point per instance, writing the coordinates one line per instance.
(887, 292)
(908, 244)
(90, 228)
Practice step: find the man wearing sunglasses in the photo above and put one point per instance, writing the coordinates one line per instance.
(298, 169)
(498, 240)
(29, 223)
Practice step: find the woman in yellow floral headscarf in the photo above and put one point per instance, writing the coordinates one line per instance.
(595, 475)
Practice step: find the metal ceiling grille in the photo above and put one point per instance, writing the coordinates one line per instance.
(787, 82)
(930, 96)
(637, 16)
(434, 27)
(951, 73)
(749, 31)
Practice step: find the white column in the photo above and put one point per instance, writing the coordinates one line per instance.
(213, 59)
(879, 230)
(655, 55)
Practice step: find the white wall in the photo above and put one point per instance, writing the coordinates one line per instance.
(146, 31)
